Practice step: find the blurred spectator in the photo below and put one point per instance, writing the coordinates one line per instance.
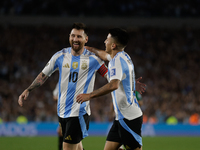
(152, 120)
(145, 119)
(194, 119)
(22, 119)
(171, 120)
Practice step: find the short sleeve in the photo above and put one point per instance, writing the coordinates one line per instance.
(51, 66)
(116, 71)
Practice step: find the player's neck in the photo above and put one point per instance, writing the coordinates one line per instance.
(77, 53)
(114, 52)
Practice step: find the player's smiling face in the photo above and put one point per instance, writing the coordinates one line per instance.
(108, 43)
(77, 39)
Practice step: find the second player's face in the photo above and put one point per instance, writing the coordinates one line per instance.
(108, 43)
(77, 39)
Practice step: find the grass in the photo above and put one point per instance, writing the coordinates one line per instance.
(97, 143)
(28, 143)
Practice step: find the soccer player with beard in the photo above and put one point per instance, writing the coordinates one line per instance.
(77, 69)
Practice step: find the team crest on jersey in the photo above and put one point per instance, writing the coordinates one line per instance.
(75, 65)
(84, 65)
(113, 72)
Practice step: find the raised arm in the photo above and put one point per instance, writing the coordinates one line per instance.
(100, 53)
(39, 80)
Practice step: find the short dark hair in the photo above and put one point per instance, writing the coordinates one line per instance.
(80, 26)
(120, 36)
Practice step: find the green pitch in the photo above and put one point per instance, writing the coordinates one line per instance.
(97, 143)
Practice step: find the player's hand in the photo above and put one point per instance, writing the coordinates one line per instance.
(93, 49)
(82, 98)
(140, 87)
(89, 48)
(59, 131)
(55, 98)
(22, 97)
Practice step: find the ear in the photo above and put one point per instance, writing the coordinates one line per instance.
(113, 46)
(86, 39)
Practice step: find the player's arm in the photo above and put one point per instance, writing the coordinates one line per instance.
(39, 80)
(100, 53)
(103, 71)
(109, 87)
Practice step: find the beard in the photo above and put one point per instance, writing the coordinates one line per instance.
(76, 47)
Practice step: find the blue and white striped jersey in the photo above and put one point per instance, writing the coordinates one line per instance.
(124, 100)
(76, 76)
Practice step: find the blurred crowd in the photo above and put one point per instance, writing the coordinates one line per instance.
(125, 8)
(167, 59)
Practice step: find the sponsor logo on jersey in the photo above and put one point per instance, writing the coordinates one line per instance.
(66, 65)
(75, 65)
(113, 72)
(84, 65)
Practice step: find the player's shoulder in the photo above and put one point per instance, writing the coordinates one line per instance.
(66, 50)
(87, 53)
(123, 55)
(118, 56)
(63, 51)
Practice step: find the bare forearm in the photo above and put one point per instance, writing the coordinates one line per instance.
(39, 80)
(104, 90)
(100, 53)
(109, 87)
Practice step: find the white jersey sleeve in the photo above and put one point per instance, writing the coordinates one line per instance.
(116, 71)
(51, 66)
(109, 58)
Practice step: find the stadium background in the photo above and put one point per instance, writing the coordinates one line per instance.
(164, 48)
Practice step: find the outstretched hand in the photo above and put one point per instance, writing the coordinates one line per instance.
(22, 97)
(82, 98)
(100, 53)
(89, 48)
(140, 87)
